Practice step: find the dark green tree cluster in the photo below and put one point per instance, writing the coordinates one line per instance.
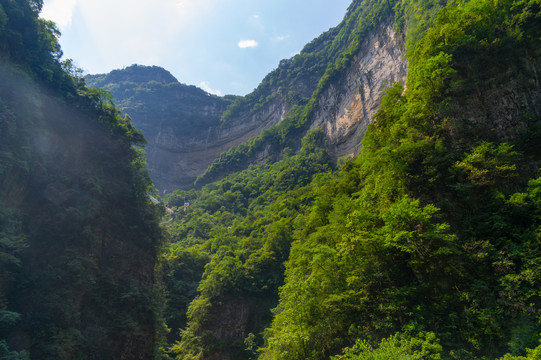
(78, 235)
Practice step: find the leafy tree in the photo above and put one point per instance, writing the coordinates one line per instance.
(424, 346)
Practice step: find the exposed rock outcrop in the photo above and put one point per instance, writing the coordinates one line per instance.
(177, 154)
(348, 106)
(233, 321)
(175, 160)
(500, 104)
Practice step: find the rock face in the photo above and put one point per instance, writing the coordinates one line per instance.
(177, 120)
(232, 321)
(348, 106)
(184, 131)
(182, 123)
(501, 104)
(175, 161)
(186, 128)
(85, 274)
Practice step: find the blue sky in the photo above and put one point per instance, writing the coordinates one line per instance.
(222, 46)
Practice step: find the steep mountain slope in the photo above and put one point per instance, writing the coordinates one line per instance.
(425, 246)
(340, 75)
(350, 102)
(351, 81)
(78, 235)
(179, 121)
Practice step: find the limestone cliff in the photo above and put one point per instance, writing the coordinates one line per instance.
(182, 123)
(348, 105)
(187, 129)
(176, 119)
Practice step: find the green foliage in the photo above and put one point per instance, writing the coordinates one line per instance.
(419, 233)
(78, 235)
(148, 93)
(12, 245)
(414, 17)
(424, 246)
(488, 164)
(424, 346)
(531, 354)
(427, 234)
(32, 44)
(422, 232)
(242, 227)
(333, 275)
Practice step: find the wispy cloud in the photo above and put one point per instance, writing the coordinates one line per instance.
(59, 11)
(205, 86)
(282, 38)
(256, 22)
(243, 44)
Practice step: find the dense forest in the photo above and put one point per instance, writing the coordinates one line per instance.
(79, 237)
(424, 246)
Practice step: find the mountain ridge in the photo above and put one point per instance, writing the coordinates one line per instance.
(173, 116)
(425, 245)
(176, 159)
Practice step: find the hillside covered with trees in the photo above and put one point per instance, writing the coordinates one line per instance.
(79, 237)
(424, 246)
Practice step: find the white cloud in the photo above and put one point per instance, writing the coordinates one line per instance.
(247, 44)
(205, 86)
(181, 5)
(59, 11)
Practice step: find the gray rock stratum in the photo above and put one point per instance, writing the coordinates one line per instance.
(182, 123)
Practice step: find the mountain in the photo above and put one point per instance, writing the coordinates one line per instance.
(297, 242)
(423, 246)
(79, 237)
(188, 130)
(178, 121)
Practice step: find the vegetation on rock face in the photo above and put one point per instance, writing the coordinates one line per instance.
(425, 246)
(151, 94)
(321, 62)
(78, 236)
